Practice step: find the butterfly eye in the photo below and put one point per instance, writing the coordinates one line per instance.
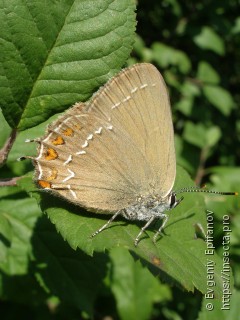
(173, 201)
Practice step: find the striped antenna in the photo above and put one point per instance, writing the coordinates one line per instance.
(201, 189)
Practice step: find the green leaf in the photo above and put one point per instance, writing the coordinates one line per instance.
(74, 277)
(5, 228)
(5, 236)
(185, 105)
(236, 27)
(177, 254)
(18, 216)
(200, 136)
(207, 74)
(194, 133)
(164, 56)
(171, 78)
(219, 98)
(213, 135)
(27, 239)
(188, 91)
(208, 39)
(5, 130)
(134, 287)
(21, 216)
(56, 53)
(141, 50)
(186, 154)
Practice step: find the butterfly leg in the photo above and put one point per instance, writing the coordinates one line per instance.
(143, 229)
(106, 224)
(165, 219)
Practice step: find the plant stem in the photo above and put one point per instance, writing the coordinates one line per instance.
(7, 147)
(201, 167)
(9, 182)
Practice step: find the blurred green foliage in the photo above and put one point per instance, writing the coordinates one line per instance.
(196, 46)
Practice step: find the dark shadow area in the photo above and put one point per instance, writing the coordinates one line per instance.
(5, 241)
(55, 270)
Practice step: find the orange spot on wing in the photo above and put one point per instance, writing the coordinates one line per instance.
(68, 132)
(51, 154)
(58, 141)
(44, 184)
(53, 175)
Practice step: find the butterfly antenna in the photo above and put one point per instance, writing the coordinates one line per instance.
(203, 190)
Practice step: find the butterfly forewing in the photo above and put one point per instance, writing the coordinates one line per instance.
(119, 146)
(137, 104)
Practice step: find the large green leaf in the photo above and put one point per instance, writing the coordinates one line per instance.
(74, 277)
(56, 53)
(4, 130)
(31, 246)
(20, 217)
(177, 254)
(134, 287)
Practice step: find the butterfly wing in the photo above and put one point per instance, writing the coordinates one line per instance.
(104, 154)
